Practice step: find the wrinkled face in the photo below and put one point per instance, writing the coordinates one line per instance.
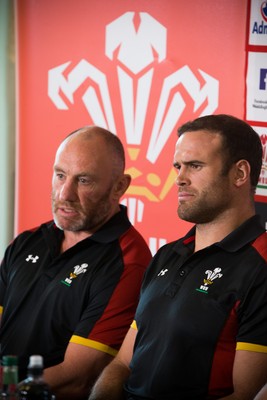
(204, 192)
(82, 185)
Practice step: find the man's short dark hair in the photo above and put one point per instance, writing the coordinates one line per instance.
(239, 140)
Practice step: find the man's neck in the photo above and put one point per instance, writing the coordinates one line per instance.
(72, 238)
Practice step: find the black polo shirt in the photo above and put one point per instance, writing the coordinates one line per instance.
(195, 310)
(87, 295)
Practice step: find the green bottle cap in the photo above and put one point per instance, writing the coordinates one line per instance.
(10, 360)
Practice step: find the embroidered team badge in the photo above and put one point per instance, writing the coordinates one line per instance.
(78, 270)
(211, 276)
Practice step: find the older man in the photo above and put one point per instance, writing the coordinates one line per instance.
(69, 289)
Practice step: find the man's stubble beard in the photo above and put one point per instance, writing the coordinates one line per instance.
(99, 214)
(208, 208)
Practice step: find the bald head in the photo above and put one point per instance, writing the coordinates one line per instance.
(110, 141)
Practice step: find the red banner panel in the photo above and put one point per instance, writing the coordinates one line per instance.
(138, 68)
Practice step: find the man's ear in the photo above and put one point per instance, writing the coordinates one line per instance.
(242, 172)
(121, 185)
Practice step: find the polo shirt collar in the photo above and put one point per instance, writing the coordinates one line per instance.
(113, 228)
(243, 235)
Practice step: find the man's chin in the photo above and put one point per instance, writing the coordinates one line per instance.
(66, 226)
(185, 216)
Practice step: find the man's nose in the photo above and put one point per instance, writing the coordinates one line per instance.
(181, 178)
(68, 191)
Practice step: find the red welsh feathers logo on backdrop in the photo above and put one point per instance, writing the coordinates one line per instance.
(151, 104)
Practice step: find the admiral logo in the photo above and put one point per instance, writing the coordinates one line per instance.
(264, 11)
(261, 28)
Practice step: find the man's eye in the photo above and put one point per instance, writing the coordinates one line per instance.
(195, 166)
(83, 180)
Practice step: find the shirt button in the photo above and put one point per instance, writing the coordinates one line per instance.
(182, 272)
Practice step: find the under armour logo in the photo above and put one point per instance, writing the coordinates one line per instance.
(32, 259)
(162, 272)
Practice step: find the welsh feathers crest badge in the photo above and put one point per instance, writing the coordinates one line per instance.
(211, 277)
(78, 269)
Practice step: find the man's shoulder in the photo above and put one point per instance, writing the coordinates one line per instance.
(32, 232)
(132, 240)
(260, 245)
(133, 234)
(168, 251)
(37, 228)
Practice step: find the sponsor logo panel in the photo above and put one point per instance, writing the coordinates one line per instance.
(257, 87)
(258, 23)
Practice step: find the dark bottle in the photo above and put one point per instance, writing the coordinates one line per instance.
(34, 386)
(9, 378)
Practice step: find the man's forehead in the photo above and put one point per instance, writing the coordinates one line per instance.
(190, 137)
(197, 144)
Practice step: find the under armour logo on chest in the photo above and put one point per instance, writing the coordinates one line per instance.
(32, 258)
(162, 272)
